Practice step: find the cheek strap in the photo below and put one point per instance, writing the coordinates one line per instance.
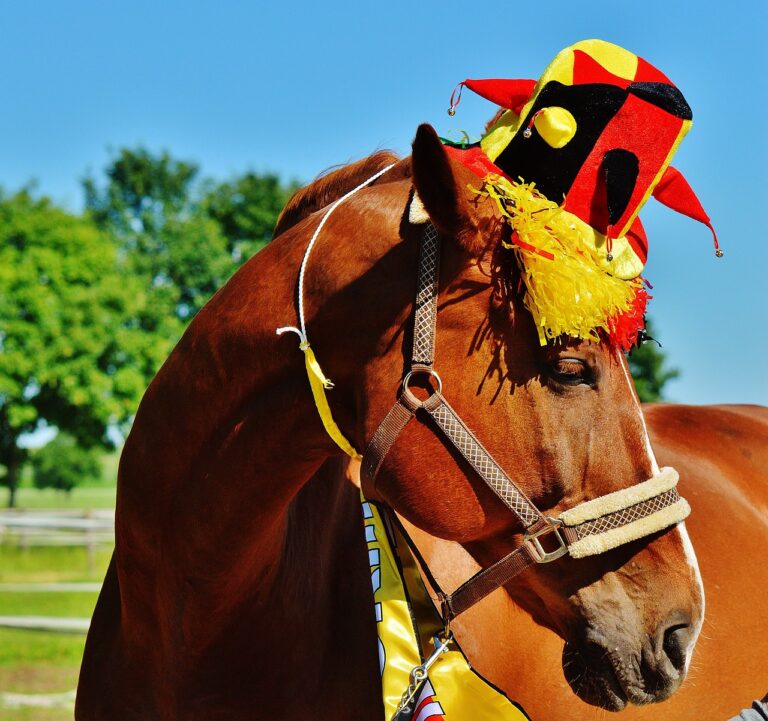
(629, 514)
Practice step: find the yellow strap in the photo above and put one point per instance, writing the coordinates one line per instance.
(317, 380)
(319, 383)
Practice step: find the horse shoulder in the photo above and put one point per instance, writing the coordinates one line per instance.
(721, 453)
(727, 445)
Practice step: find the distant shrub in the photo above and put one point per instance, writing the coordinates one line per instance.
(63, 464)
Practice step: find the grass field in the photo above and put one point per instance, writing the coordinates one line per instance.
(88, 497)
(40, 662)
(40, 564)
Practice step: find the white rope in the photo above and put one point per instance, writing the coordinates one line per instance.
(302, 330)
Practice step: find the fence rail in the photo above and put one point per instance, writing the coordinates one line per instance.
(16, 701)
(62, 520)
(53, 624)
(55, 528)
(59, 528)
(77, 587)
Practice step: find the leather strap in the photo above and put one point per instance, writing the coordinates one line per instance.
(465, 442)
(386, 434)
(469, 447)
(425, 310)
(478, 586)
(485, 582)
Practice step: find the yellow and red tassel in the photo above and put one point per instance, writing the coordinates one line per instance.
(568, 291)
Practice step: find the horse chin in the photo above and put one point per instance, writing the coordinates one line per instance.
(605, 678)
(592, 679)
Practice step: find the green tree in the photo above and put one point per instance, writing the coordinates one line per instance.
(63, 464)
(246, 210)
(183, 236)
(73, 353)
(142, 192)
(648, 365)
(176, 250)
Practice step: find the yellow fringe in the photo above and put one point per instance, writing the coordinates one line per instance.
(567, 291)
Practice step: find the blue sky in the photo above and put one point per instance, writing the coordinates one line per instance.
(297, 87)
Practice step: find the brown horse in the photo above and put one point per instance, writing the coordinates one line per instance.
(722, 455)
(240, 586)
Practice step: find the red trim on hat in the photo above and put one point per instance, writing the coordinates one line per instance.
(510, 94)
(587, 70)
(638, 240)
(474, 159)
(674, 191)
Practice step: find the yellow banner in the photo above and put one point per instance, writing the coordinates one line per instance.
(452, 691)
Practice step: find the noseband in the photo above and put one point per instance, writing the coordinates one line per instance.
(589, 528)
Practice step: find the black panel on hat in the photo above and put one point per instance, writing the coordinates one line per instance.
(554, 169)
(664, 96)
(620, 168)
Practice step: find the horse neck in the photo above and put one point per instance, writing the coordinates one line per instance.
(227, 433)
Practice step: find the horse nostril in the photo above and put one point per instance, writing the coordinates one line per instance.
(675, 643)
(664, 657)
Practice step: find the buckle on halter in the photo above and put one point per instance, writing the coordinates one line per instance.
(539, 553)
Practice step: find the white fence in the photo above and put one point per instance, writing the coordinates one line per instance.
(52, 624)
(55, 528)
(59, 528)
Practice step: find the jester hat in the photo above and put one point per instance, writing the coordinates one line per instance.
(584, 147)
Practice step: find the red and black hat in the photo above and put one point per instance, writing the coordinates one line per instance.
(595, 135)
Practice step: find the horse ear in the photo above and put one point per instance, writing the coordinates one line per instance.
(441, 186)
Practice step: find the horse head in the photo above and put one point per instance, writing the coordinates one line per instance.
(562, 419)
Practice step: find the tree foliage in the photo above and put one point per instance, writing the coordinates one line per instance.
(63, 464)
(142, 192)
(183, 236)
(175, 251)
(246, 210)
(71, 352)
(648, 365)
(91, 305)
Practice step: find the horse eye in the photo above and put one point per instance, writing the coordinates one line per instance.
(570, 371)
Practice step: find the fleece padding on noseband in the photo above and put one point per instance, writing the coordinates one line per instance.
(619, 500)
(602, 542)
(623, 516)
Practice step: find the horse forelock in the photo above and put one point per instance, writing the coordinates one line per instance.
(330, 186)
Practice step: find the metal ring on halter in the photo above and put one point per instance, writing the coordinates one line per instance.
(424, 371)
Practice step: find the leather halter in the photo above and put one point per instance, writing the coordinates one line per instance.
(591, 527)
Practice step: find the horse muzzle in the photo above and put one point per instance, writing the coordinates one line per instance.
(611, 672)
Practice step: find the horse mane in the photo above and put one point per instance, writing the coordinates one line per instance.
(330, 186)
(495, 119)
